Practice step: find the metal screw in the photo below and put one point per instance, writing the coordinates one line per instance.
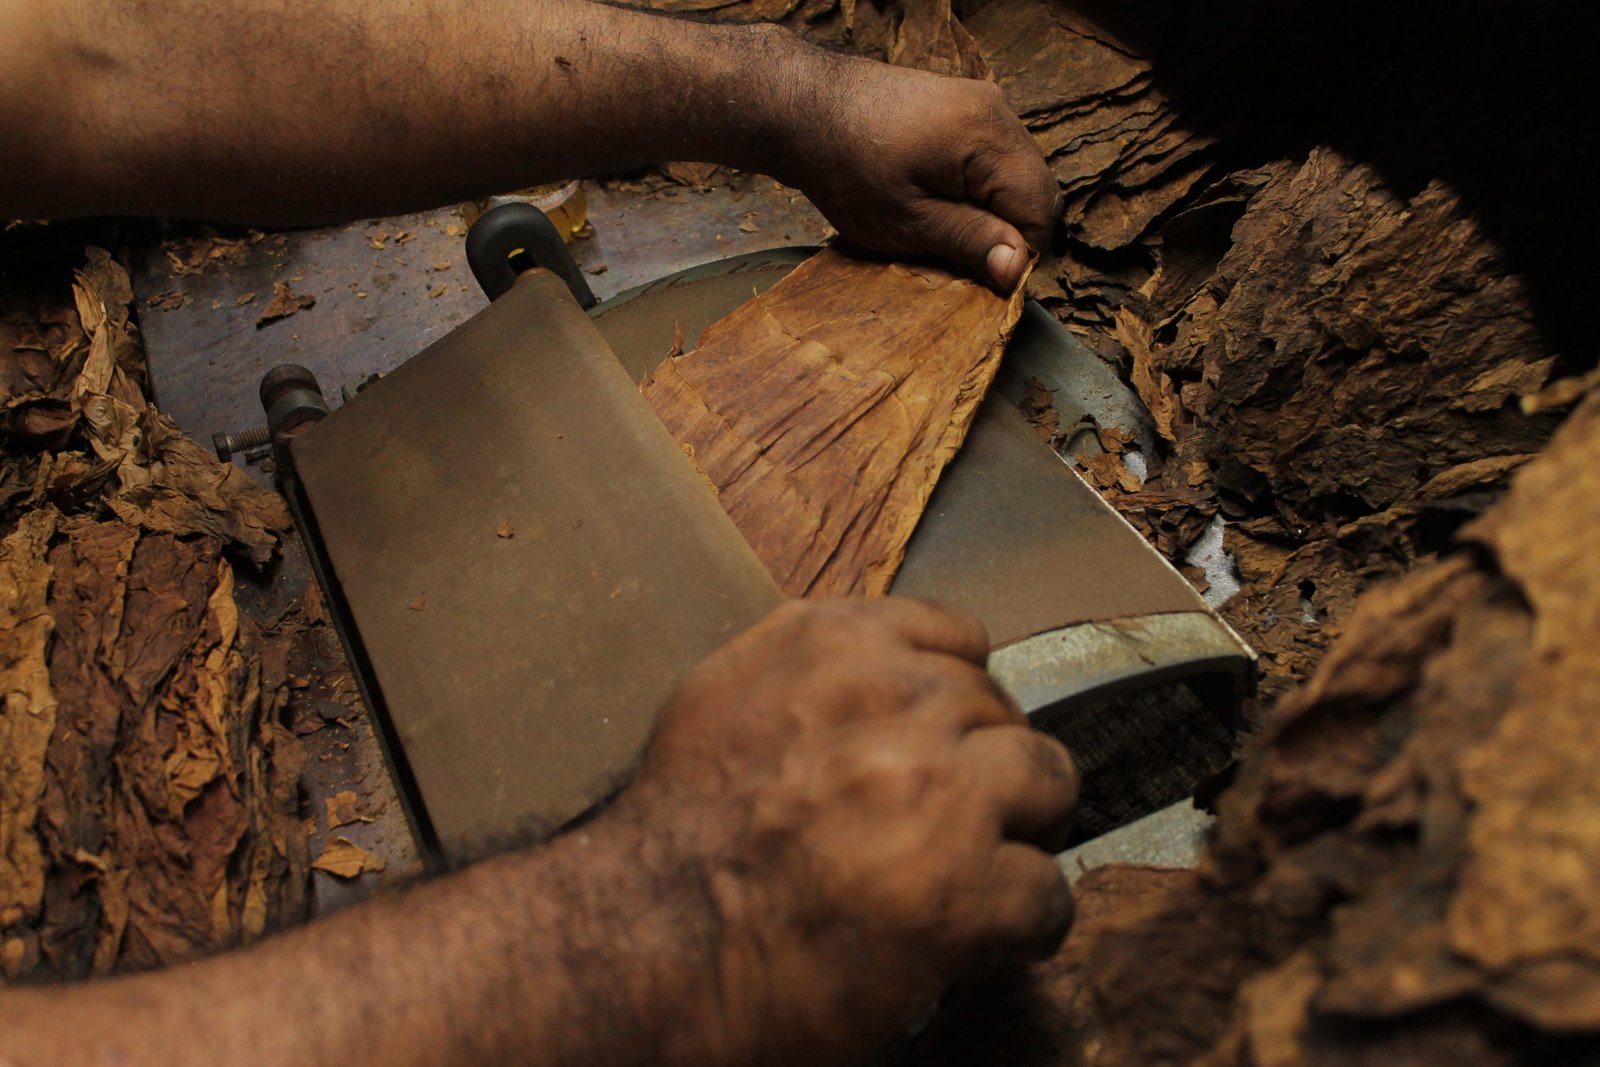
(227, 444)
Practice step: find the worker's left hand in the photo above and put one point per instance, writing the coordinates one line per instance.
(904, 161)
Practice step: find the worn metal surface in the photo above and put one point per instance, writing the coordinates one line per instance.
(1085, 390)
(373, 311)
(521, 674)
(379, 306)
(1175, 836)
(1094, 660)
(643, 238)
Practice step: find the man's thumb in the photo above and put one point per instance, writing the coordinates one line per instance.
(985, 244)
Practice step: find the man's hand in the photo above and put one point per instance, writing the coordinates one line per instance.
(909, 162)
(869, 812)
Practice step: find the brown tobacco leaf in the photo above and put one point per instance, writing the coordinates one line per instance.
(28, 708)
(1344, 358)
(171, 300)
(1090, 95)
(165, 481)
(824, 410)
(166, 814)
(1038, 408)
(696, 175)
(196, 254)
(147, 790)
(343, 809)
(1169, 521)
(930, 37)
(1529, 903)
(1312, 360)
(1106, 470)
(286, 302)
(1151, 383)
(343, 858)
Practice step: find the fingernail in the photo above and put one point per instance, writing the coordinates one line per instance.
(1005, 263)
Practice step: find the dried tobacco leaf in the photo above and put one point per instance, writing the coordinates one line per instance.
(165, 481)
(157, 820)
(342, 809)
(28, 709)
(823, 410)
(286, 302)
(160, 815)
(343, 858)
(930, 37)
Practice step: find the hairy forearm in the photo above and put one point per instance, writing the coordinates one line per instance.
(288, 112)
(597, 949)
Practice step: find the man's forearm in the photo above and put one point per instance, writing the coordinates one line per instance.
(277, 112)
(286, 112)
(596, 949)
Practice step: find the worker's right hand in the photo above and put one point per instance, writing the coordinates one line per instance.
(867, 813)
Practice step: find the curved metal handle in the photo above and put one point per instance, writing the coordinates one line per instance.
(512, 238)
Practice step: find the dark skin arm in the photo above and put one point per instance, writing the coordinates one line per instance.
(838, 813)
(294, 113)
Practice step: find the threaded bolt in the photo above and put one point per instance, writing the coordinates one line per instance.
(228, 444)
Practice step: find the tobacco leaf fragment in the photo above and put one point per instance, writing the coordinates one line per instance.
(28, 709)
(286, 302)
(343, 858)
(343, 809)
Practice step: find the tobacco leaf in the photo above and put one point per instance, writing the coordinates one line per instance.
(285, 302)
(195, 255)
(343, 858)
(174, 485)
(166, 482)
(156, 823)
(824, 410)
(1342, 346)
(1118, 145)
(149, 789)
(342, 809)
(930, 37)
(28, 708)
(1529, 903)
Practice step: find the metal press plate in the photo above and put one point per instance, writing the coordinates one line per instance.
(530, 566)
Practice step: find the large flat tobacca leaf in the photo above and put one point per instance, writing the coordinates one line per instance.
(823, 410)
